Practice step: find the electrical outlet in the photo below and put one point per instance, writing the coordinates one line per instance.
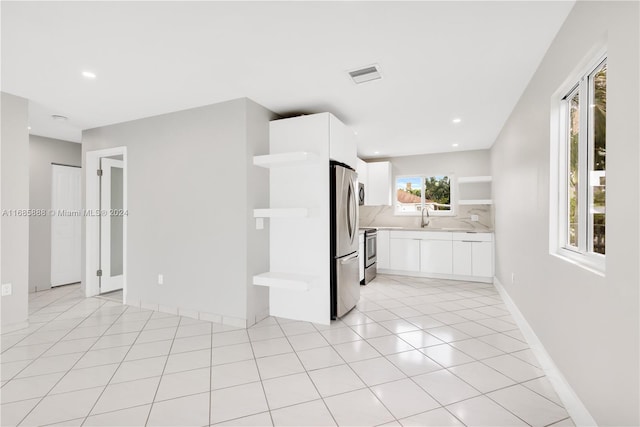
(475, 218)
(6, 289)
(160, 279)
(259, 223)
(513, 278)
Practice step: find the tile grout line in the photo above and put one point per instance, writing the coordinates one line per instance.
(211, 377)
(128, 308)
(411, 378)
(142, 358)
(366, 386)
(264, 392)
(478, 360)
(68, 370)
(42, 323)
(453, 373)
(54, 343)
(163, 369)
(396, 295)
(306, 372)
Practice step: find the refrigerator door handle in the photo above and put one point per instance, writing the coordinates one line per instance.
(353, 209)
(350, 213)
(349, 259)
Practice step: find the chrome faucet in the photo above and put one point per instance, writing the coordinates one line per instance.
(424, 223)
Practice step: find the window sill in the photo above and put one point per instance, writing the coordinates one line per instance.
(589, 263)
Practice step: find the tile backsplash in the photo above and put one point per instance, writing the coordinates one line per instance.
(383, 216)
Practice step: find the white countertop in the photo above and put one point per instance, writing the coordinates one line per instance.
(457, 230)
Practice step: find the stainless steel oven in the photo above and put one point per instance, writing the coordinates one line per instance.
(370, 253)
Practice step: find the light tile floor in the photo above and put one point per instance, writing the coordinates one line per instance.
(415, 352)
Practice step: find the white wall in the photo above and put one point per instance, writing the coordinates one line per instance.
(14, 154)
(460, 164)
(191, 191)
(42, 153)
(587, 323)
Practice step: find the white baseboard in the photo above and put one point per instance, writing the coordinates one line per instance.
(209, 317)
(572, 403)
(436, 275)
(12, 327)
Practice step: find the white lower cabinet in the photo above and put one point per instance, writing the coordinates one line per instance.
(404, 254)
(473, 254)
(458, 255)
(482, 259)
(383, 249)
(435, 257)
(462, 258)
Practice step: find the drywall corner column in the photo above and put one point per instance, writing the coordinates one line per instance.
(42, 153)
(14, 155)
(257, 125)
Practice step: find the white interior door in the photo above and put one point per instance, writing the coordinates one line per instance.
(66, 225)
(113, 209)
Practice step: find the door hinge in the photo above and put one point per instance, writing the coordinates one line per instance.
(99, 273)
(99, 172)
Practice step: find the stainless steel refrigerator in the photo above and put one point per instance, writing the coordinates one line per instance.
(345, 286)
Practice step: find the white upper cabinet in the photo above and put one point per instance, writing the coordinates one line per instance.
(363, 172)
(342, 143)
(376, 177)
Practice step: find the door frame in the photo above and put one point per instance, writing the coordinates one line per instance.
(108, 280)
(92, 222)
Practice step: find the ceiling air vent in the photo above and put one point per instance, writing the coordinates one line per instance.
(366, 74)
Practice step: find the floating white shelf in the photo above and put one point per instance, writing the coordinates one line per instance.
(291, 281)
(476, 202)
(281, 213)
(284, 159)
(470, 179)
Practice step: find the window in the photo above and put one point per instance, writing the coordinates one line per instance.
(413, 193)
(582, 168)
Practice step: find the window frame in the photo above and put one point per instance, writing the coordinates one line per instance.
(582, 254)
(422, 177)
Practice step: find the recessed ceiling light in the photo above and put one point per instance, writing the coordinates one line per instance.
(28, 127)
(454, 145)
(88, 75)
(58, 117)
(456, 120)
(376, 152)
